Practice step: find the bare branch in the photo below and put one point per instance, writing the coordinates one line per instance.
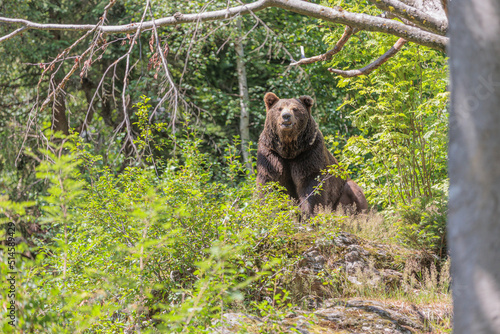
(355, 20)
(173, 88)
(177, 18)
(373, 66)
(365, 22)
(12, 34)
(414, 15)
(69, 74)
(348, 32)
(125, 97)
(392, 16)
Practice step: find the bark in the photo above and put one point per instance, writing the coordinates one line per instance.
(435, 23)
(474, 165)
(12, 34)
(59, 118)
(243, 87)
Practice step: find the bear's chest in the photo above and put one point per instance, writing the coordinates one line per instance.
(295, 173)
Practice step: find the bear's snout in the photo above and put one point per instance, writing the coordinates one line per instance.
(287, 118)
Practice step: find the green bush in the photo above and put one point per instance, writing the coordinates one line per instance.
(400, 155)
(423, 226)
(134, 248)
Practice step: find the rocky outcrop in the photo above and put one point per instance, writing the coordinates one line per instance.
(334, 316)
(361, 261)
(340, 265)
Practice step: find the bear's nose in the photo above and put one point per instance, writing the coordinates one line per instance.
(286, 116)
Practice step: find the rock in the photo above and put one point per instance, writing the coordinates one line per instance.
(357, 248)
(232, 322)
(363, 262)
(354, 280)
(306, 279)
(392, 278)
(336, 316)
(344, 239)
(313, 259)
(333, 261)
(353, 257)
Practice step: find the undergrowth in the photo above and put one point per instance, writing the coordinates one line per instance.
(172, 248)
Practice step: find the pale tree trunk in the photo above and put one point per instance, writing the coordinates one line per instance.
(243, 87)
(474, 165)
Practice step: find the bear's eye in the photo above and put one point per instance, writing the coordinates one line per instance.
(295, 109)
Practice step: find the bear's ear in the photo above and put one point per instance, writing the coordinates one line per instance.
(307, 101)
(270, 100)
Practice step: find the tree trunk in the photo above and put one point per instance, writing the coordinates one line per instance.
(474, 165)
(243, 86)
(87, 87)
(59, 118)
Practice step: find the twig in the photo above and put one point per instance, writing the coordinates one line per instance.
(348, 32)
(69, 74)
(60, 58)
(173, 87)
(125, 98)
(373, 66)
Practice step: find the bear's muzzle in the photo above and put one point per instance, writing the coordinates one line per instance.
(287, 120)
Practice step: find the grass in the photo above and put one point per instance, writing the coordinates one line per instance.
(422, 285)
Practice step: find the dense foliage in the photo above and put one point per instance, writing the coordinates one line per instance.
(401, 153)
(133, 245)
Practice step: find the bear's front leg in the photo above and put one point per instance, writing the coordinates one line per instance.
(309, 198)
(272, 168)
(269, 167)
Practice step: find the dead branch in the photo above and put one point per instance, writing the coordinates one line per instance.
(126, 99)
(348, 32)
(373, 66)
(78, 60)
(173, 88)
(12, 34)
(69, 74)
(414, 15)
(335, 15)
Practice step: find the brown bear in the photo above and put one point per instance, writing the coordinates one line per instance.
(293, 153)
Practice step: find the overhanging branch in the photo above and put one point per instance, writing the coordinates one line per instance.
(355, 20)
(364, 22)
(12, 34)
(373, 66)
(414, 15)
(177, 18)
(348, 32)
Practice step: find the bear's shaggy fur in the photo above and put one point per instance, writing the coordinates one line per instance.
(292, 152)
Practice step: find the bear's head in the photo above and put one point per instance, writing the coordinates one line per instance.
(288, 117)
(290, 128)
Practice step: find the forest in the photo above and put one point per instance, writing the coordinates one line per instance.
(128, 163)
